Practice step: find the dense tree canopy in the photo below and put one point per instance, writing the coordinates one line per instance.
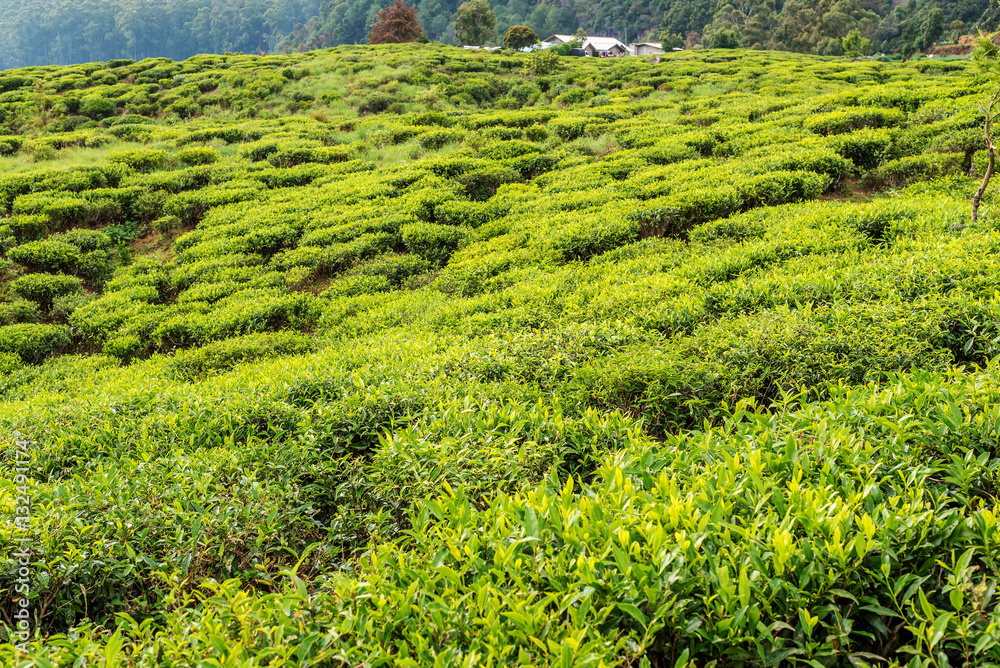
(810, 26)
(519, 37)
(39, 32)
(475, 23)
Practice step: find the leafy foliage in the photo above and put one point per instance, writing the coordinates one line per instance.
(541, 62)
(518, 37)
(396, 355)
(396, 23)
(475, 23)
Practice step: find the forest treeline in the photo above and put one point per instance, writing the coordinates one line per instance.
(40, 32)
(61, 32)
(805, 26)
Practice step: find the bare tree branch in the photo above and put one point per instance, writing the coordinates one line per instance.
(991, 151)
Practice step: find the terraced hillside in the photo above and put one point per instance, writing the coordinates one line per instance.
(411, 356)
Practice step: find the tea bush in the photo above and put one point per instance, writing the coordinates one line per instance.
(141, 160)
(46, 255)
(688, 362)
(432, 242)
(901, 172)
(19, 311)
(838, 122)
(33, 342)
(224, 355)
(197, 155)
(43, 288)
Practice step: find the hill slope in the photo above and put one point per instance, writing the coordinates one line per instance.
(625, 363)
(61, 32)
(805, 26)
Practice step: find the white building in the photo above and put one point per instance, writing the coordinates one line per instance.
(645, 49)
(553, 40)
(604, 47)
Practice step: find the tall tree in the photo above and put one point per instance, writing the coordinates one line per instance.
(855, 45)
(475, 23)
(396, 23)
(933, 27)
(519, 37)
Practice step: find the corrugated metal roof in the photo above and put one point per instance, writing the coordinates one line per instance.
(603, 43)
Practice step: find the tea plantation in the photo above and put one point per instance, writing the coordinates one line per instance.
(416, 356)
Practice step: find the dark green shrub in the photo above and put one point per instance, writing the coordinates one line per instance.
(482, 183)
(97, 107)
(573, 96)
(197, 155)
(432, 118)
(191, 206)
(72, 211)
(591, 236)
(395, 268)
(33, 343)
(174, 181)
(569, 128)
(29, 227)
(43, 288)
(123, 348)
(224, 355)
(501, 150)
(46, 255)
(13, 82)
(867, 149)
(880, 222)
(86, 240)
(63, 306)
(526, 94)
(259, 150)
(140, 159)
(665, 153)
(9, 145)
(148, 205)
(19, 311)
(434, 243)
(749, 225)
(781, 187)
(675, 214)
(352, 286)
(901, 172)
(375, 102)
(128, 119)
(167, 224)
(838, 122)
(470, 214)
(291, 156)
(434, 139)
(536, 133)
(243, 312)
(531, 165)
(97, 141)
